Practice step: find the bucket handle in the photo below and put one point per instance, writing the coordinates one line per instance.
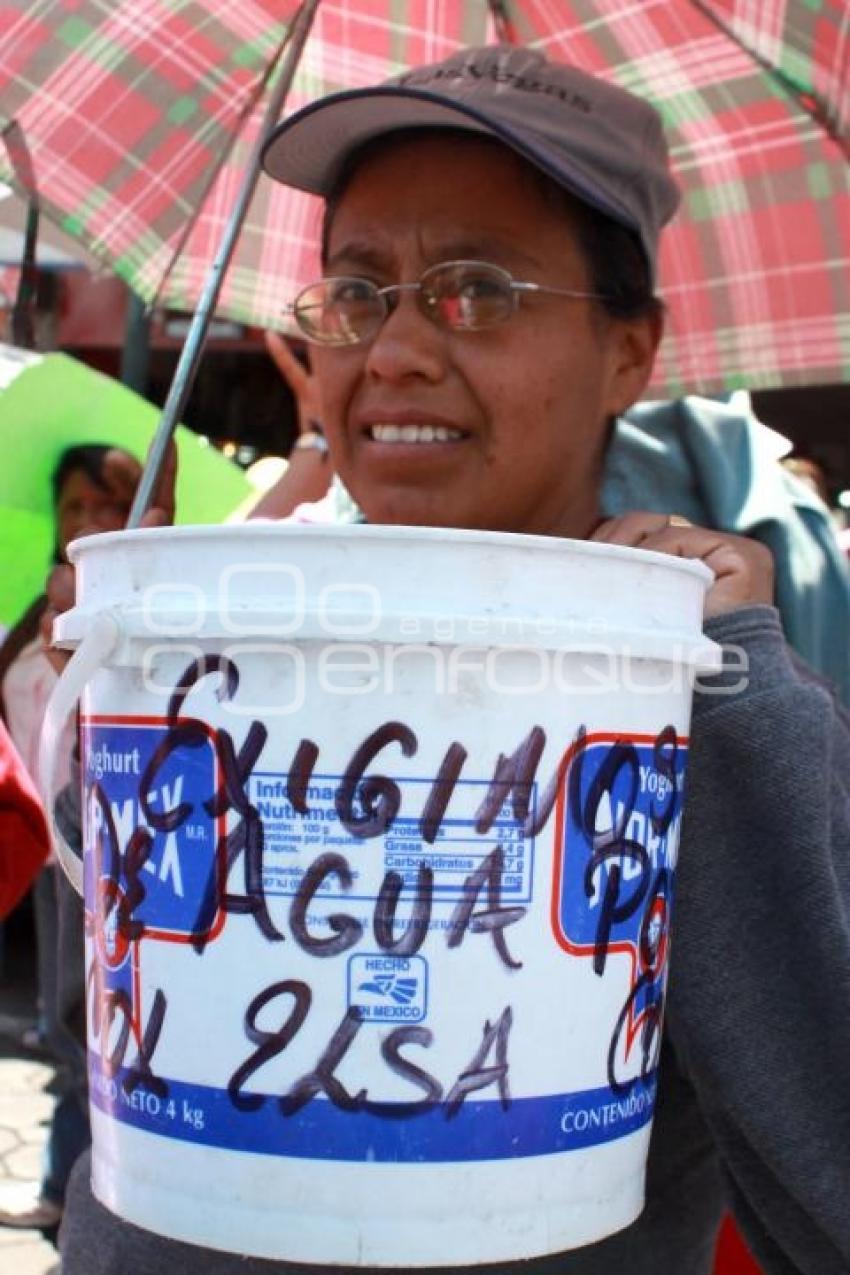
(99, 642)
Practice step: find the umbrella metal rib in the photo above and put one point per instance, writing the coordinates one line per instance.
(193, 348)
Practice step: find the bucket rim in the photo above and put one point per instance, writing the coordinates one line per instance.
(287, 530)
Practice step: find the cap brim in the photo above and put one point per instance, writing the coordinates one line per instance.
(308, 150)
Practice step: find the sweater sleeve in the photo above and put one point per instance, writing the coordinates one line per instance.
(759, 996)
(24, 843)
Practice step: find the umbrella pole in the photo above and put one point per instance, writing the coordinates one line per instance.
(190, 355)
(503, 26)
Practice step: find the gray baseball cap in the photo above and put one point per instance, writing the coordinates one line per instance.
(603, 144)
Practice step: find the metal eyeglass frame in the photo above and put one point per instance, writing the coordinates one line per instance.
(428, 306)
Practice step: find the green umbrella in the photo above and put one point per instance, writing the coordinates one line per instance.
(49, 402)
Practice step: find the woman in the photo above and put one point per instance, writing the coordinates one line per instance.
(490, 236)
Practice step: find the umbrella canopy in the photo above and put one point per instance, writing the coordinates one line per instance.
(50, 402)
(53, 250)
(138, 118)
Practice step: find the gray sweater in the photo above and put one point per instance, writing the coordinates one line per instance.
(754, 1100)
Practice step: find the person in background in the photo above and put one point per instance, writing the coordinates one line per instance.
(495, 221)
(808, 471)
(85, 502)
(813, 476)
(82, 500)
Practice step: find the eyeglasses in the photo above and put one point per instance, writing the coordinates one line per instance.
(464, 296)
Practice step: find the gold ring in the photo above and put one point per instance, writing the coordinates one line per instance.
(676, 520)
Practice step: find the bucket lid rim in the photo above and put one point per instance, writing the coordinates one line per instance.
(384, 531)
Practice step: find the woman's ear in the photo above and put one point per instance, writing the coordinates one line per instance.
(633, 346)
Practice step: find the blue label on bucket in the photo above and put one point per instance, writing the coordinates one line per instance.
(618, 830)
(136, 788)
(150, 873)
(430, 1133)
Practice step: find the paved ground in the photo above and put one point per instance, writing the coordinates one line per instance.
(25, 1107)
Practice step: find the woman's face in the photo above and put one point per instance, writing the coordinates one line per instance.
(503, 428)
(83, 506)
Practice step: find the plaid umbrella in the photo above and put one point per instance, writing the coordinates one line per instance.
(135, 118)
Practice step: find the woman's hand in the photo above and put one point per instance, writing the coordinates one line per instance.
(743, 568)
(300, 380)
(308, 473)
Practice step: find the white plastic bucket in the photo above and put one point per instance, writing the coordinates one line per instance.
(380, 827)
